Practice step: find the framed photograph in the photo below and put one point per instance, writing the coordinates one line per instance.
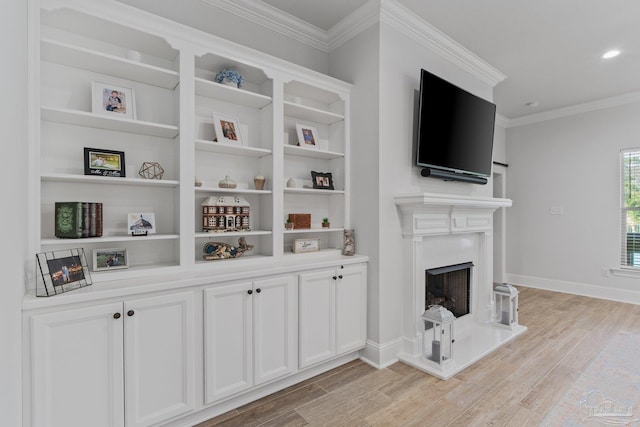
(322, 180)
(112, 100)
(103, 162)
(306, 245)
(110, 259)
(227, 129)
(62, 271)
(141, 223)
(307, 136)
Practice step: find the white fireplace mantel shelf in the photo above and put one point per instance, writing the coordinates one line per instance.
(425, 214)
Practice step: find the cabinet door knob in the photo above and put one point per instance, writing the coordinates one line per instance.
(130, 313)
(249, 291)
(258, 290)
(116, 315)
(335, 278)
(340, 276)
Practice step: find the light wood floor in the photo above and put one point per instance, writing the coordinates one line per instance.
(514, 386)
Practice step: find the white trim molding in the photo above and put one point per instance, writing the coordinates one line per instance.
(382, 355)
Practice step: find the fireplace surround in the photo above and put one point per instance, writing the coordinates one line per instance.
(445, 230)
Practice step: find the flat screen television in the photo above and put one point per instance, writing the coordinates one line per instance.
(455, 129)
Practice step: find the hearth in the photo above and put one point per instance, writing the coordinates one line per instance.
(449, 287)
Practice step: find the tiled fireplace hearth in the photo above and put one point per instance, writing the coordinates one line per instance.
(441, 232)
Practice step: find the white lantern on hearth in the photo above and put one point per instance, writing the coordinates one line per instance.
(506, 305)
(440, 321)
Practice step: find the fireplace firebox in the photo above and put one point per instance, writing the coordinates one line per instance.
(449, 287)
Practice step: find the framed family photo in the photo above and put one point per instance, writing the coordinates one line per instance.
(227, 129)
(322, 180)
(104, 162)
(62, 271)
(141, 223)
(112, 100)
(307, 136)
(110, 259)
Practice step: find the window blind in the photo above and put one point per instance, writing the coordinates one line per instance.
(630, 209)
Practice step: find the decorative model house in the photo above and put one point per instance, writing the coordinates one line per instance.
(440, 320)
(506, 305)
(225, 213)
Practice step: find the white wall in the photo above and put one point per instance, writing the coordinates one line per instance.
(571, 163)
(13, 174)
(200, 15)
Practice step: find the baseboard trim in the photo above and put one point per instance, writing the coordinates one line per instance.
(382, 355)
(594, 291)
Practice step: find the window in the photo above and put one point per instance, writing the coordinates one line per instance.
(630, 209)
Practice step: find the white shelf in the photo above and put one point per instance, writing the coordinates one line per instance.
(205, 235)
(108, 180)
(312, 191)
(294, 150)
(83, 118)
(246, 257)
(231, 94)
(107, 239)
(311, 114)
(86, 59)
(235, 150)
(231, 190)
(313, 230)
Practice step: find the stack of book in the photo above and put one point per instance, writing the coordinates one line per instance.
(76, 220)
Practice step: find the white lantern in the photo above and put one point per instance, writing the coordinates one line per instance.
(506, 305)
(440, 320)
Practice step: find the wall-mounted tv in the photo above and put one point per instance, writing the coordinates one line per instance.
(455, 131)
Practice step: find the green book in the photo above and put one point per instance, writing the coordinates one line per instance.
(69, 220)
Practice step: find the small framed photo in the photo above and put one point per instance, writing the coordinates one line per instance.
(110, 259)
(62, 271)
(322, 180)
(141, 223)
(307, 136)
(112, 100)
(227, 129)
(306, 245)
(103, 162)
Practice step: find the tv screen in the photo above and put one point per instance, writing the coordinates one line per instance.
(455, 128)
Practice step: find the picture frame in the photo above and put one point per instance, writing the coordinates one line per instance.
(307, 136)
(61, 271)
(108, 259)
(322, 180)
(141, 223)
(112, 100)
(305, 245)
(227, 129)
(100, 162)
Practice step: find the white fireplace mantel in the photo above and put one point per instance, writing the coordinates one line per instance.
(428, 220)
(424, 214)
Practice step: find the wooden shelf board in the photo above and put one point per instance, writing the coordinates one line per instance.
(294, 150)
(231, 190)
(108, 180)
(311, 191)
(205, 235)
(311, 114)
(235, 150)
(313, 230)
(230, 94)
(106, 239)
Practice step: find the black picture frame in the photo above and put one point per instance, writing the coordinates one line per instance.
(322, 180)
(61, 271)
(100, 162)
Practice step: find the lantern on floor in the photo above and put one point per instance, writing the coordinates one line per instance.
(506, 304)
(440, 320)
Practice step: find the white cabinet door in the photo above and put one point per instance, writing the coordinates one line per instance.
(78, 367)
(317, 318)
(351, 308)
(275, 332)
(227, 341)
(159, 357)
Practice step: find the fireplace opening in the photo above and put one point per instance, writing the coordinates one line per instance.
(449, 287)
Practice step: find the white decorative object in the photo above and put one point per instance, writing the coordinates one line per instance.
(225, 213)
(291, 183)
(227, 182)
(306, 245)
(440, 321)
(506, 305)
(258, 181)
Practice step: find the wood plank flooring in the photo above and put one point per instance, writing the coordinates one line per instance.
(514, 386)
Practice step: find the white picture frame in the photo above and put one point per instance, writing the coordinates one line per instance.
(112, 100)
(307, 136)
(108, 259)
(140, 223)
(227, 129)
(305, 245)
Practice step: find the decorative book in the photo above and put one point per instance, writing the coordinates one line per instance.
(75, 220)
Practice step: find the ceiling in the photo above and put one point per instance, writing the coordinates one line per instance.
(550, 50)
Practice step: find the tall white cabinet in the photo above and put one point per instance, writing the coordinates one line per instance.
(174, 338)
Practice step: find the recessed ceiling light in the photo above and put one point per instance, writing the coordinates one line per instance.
(611, 54)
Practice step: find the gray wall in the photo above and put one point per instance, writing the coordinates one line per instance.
(572, 163)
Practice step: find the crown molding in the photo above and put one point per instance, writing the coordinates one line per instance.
(353, 24)
(275, 20)
(419, 30)
(502, 121)
(573, 110)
